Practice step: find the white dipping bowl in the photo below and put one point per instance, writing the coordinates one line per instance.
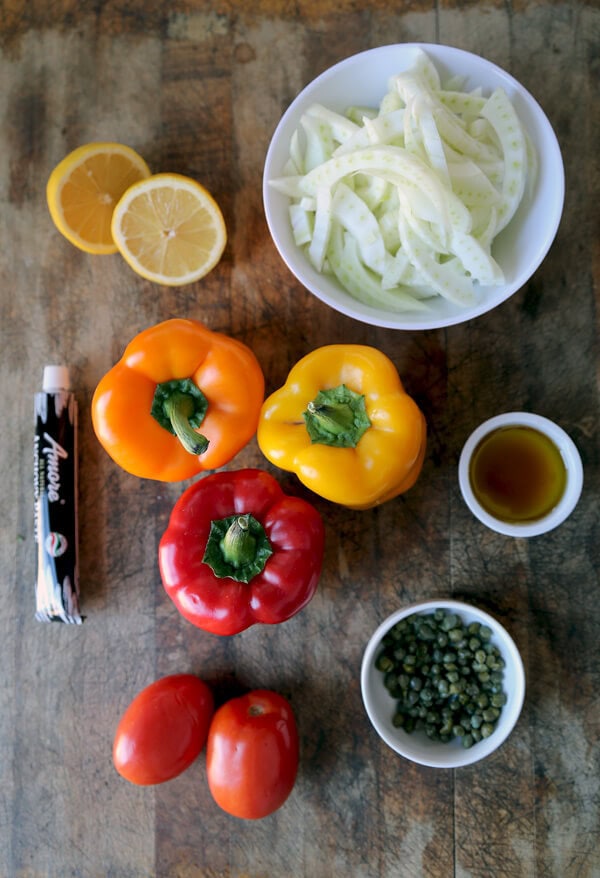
(571, 459)
(416, 746)
(363, 80)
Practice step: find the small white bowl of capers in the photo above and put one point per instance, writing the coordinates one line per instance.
(443, 683)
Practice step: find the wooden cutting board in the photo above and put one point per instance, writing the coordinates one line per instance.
(198, 88)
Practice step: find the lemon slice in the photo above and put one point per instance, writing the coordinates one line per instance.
(169, 229)
(84, 188)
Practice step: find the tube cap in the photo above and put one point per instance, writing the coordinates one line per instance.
(56, 378)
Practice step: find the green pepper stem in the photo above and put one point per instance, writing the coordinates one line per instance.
(179, 407)
(238, 545)
(334, 418)
(337, 417)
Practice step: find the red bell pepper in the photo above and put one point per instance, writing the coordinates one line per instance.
(237, 551)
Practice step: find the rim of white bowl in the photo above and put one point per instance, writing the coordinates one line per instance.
(569, 454)
(454, 756)
(296, 261)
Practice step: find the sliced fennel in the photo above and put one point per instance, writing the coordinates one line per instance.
(402, 202)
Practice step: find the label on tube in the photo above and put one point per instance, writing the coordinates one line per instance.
(55, 497)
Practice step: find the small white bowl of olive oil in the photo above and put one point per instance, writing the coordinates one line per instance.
(520, 474)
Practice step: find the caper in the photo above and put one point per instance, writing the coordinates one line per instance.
(384, 663)
(449, 621)
(426, 632)
(443, 688)
(446, 728)
(389, 679)
(398, 719)
(445, 677)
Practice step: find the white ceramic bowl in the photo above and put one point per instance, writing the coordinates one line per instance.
(416, 746)
(363, 80)
(571, 460)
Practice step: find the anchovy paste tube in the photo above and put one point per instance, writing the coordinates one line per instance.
(55, 495)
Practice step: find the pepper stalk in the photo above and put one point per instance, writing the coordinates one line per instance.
(237, 547)
(180, 406)
(337, 417)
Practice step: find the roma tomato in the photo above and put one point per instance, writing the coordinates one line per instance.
(163, 730)
(252, 754)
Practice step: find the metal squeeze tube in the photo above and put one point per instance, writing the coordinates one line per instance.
(55, 497)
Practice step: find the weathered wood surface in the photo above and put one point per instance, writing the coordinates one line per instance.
(198, 88)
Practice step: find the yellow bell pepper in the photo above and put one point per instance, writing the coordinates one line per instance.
(344, 424)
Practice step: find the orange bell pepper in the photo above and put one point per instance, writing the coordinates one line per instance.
(183, 399)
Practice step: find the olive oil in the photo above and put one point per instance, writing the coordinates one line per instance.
(517, 474)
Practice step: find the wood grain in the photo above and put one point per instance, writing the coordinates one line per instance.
(198, 87)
